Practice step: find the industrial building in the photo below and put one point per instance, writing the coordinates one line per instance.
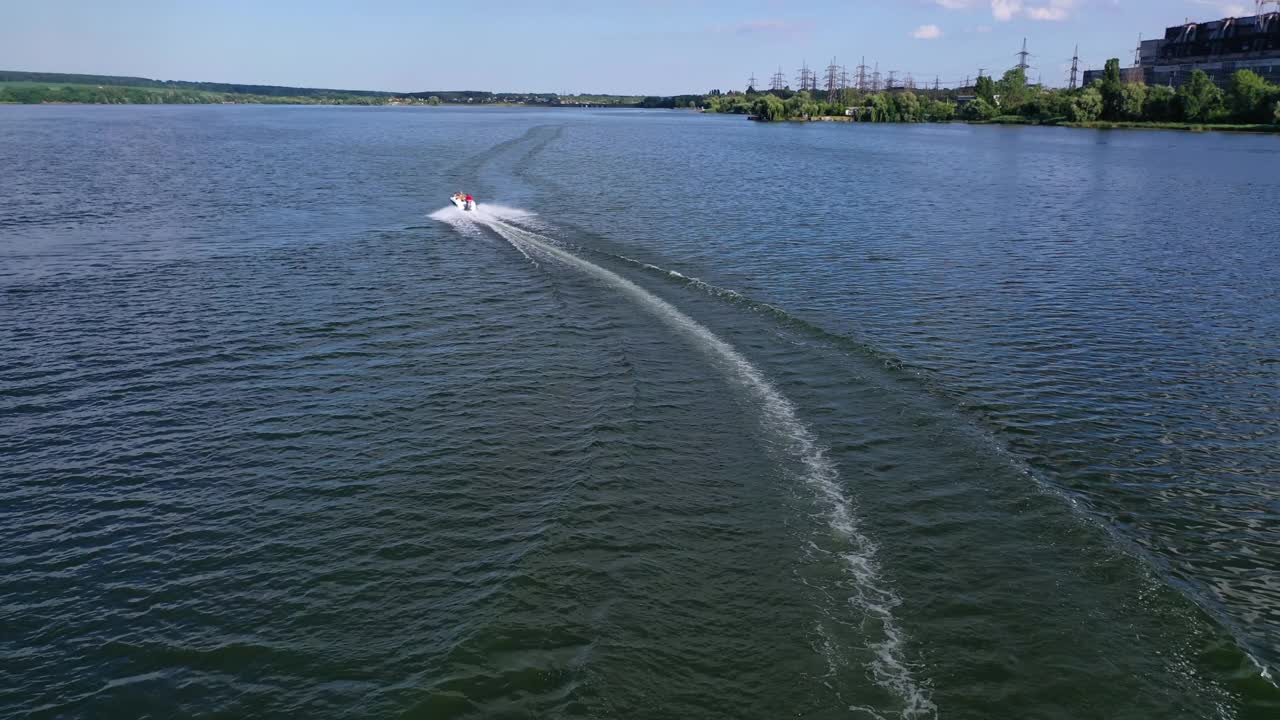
(1219, 48)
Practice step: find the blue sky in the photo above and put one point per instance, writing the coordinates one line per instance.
(618, 46)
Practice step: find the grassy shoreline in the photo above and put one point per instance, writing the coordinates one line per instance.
(1133, 125)
(1063, 122)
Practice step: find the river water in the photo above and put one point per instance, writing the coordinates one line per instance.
(696, 417)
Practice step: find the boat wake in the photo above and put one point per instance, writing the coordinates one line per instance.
(470, 222)
(869, 595)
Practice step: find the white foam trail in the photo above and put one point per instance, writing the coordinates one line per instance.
(469, 222)
(870, 597)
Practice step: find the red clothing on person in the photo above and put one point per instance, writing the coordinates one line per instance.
(468, 198)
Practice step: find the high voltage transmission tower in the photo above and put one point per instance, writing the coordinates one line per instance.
(845, 78)
(937, 83)
(1022, 58)
(751, 82)
(875, 79)
(889, 83)
(807, 79)
(778, 81)
(1075, 68)
(833, 81)
(862, 75)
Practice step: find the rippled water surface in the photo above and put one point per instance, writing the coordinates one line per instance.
(695, 418)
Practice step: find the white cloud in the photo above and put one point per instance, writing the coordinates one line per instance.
(927, 32)
(1047, 13)
(1052, 10)
(956, 4)
(1004, 10)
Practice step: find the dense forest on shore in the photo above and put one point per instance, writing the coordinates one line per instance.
(1248, 101)
(34, 93)
(35, 88)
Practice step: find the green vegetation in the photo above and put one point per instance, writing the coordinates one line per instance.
(880, 107)
(1250, 103)
(29, 87)
(33, 93)
(590, 99)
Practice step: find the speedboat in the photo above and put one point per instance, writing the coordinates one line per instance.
(461, 204)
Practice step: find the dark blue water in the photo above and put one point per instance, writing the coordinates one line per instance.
(696, 418)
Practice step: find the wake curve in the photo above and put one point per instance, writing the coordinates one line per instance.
(871, 597)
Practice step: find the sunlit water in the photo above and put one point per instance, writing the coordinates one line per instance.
(694, 417)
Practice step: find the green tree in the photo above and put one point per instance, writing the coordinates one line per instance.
(1199, 98)
(1275, 116)
(985, 89)
(940, 111)
(433, 100)
(797, 102)
(1013, 90)
(769, 108)
(1087, 106)
(1038, 104)
(978, 109)
(1111, 88)
(1248, 97)
(1133, 98)
(29, 94)
(883, 109)
(1057, 103)
(907, 106)
(1162, 104)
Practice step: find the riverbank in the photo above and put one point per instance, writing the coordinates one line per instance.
(1063, 122)
(1131, 125)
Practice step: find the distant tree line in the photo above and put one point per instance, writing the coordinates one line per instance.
(30, 87)
(109, 95)
(13, 76)
(1249, 100)
(777, 105)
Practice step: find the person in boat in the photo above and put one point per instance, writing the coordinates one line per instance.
(469, 203)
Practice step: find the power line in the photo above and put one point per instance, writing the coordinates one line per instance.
(1075, 68)
(1022, 58)
(778, 81)
(807, 80)
(833, 79)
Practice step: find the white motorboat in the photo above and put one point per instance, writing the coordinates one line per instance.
(467, 205)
